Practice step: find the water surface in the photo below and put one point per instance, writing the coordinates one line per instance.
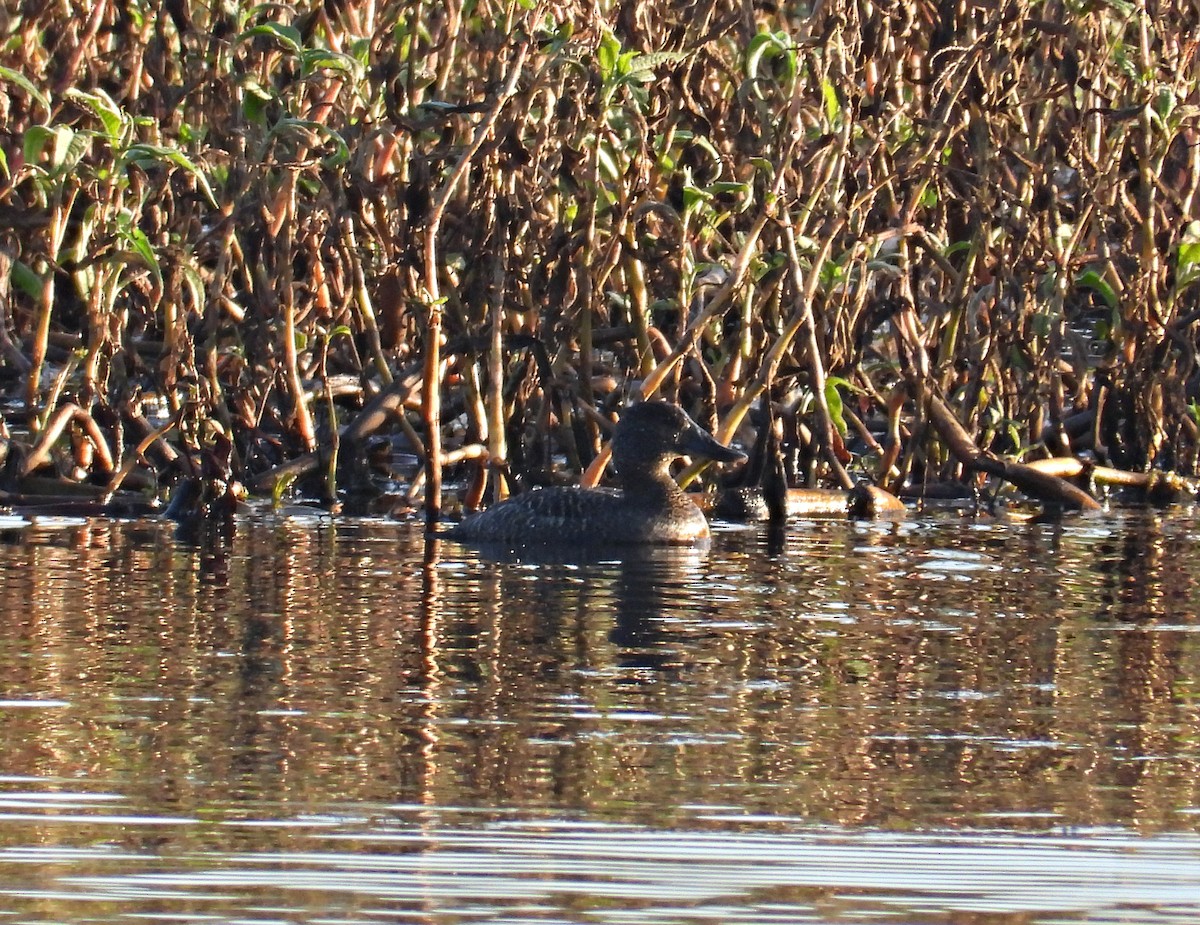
(939, 721)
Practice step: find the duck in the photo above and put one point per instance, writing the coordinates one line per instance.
(649, 507)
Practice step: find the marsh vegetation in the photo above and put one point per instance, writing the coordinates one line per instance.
(918, 240)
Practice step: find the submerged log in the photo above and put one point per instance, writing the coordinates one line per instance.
(59, 498)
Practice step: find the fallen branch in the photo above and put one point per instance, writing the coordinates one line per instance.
(1035, 483)
(1156, 486)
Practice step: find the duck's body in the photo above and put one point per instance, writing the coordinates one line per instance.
(649, 508)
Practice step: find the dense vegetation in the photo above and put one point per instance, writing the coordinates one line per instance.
(241, 239)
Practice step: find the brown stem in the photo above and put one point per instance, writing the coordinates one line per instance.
(70, 412)
(816, 369)
(82, 48)
(303, 417)
(431, 396)
(132, 459)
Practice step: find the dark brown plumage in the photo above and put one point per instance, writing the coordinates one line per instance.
(649, 507)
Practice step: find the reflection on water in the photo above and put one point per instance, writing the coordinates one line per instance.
(325, 721)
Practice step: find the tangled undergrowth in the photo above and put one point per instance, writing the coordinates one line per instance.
(918, 240)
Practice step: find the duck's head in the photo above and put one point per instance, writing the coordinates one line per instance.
(653, 433)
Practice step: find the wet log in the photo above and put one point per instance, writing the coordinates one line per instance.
(870, 502)
(1157, 487)
(1035, 483)
(748, 505)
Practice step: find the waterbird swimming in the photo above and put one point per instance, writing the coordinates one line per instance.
(649, 507)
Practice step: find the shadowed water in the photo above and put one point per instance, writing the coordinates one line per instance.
(322, 721)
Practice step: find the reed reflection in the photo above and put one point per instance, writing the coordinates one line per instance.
(917, 675)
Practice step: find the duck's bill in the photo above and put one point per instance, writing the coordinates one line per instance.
(701, 443)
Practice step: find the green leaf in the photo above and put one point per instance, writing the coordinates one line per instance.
(279, 489)
(67, 147)
(107, 111)
(141, 154)
(833, 400)
(856, 669)
(360, 49)
(16, 77)
(693, 196)
(649, 62)
(743, 191)
(25, 279)
(191, 134)
(831, 273)
(1090, 279)
(34, 143)
(287, 36)
(833, 106)
(1164, 104)
(315, 59)
(553, 43)
(607, 54)
(756, 50)
(625, 63)
(342, 150)
(1189, 248)
(768, 46)
(254, 101)
(770, 262)
(608, 162)
(139, 244)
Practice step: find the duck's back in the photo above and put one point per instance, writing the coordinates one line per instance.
(580, 516)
